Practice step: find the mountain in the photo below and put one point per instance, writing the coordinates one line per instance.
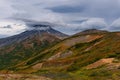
(37, 29)
(77, 57)
(88, 55)
(22, 46)
(90, 31)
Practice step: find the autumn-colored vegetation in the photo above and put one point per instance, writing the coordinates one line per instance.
(66, 59)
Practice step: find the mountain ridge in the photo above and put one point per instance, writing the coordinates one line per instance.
(30, 32)
(52, 57)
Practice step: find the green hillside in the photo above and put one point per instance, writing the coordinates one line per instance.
(87, 56)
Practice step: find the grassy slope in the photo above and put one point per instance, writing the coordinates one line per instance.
(71, 67)
(108, 47)
(18, 52)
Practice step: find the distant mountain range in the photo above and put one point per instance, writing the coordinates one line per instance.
(88, 55)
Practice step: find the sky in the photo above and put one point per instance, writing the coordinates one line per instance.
(72, 16)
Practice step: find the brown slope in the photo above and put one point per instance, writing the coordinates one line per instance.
(63, 50)
(72, 55)
(27, 47)
(99, 47)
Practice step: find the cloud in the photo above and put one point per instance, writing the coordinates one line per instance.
(93, 23)
(107, 9)
(5, 9)
(63, 10)
(70, 15)
(60, 10)
(68, 9)
(29, 10)
(115, 26)
(10, 28)
(51, 10)
(7, 26)
(83, 24)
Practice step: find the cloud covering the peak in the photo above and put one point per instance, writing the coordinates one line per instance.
(72, 15)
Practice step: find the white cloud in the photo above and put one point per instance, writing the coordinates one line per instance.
(89, 23)
(5, 9)
(15, 28)
(96, 11)
(115, 26)
(93, 23)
